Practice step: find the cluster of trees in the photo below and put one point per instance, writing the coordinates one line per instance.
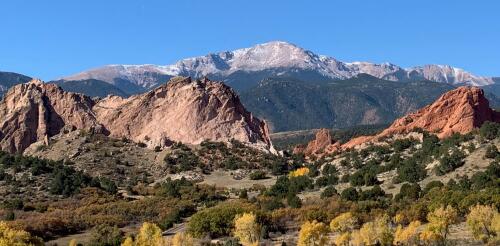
(64, 179)
(483, 221)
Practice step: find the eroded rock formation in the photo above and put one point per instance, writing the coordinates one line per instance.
(182, 110)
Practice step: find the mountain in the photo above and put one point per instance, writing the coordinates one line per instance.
(244, 68)
(133, 79)
(90, 87)
(8, 79)
(182, 110)
(289, 104)
(457, 111)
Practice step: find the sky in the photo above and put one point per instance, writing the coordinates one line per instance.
(51, 39)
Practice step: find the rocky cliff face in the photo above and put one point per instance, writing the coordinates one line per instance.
(182, 110)
(35, 111)
(457, 111)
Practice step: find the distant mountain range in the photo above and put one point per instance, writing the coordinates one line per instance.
(244, 68)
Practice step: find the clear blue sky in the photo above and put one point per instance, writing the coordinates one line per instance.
(49, 39)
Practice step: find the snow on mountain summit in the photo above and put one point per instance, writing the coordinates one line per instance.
(276, 55)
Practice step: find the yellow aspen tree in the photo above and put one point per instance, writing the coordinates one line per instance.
(480, 221)
(128, 242)
(313, 234)
(182, 239)
(356, 238)
(246, 229)
(407, 235)
(10, 236)
(377, 232)
(72, 242)
(149, 235)
(439, 224)
(343, 239)
(345, 222)
(299, 172)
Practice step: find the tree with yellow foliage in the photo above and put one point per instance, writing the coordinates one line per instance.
(343, 239)
(299, 172)
(407, 235)
(313, 234)
(439, 224)
(182, 239)
(73, 242)
(345, 222)
(149, 235)
(128, 242)
(375, 232)
(10, 236)
(246, 229)
(480, 222)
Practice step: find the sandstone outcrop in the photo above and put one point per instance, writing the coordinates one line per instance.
(457, 111)
(35, 111)
(181, 110)
(323, 143)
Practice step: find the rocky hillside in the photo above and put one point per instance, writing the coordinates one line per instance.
(180, 111)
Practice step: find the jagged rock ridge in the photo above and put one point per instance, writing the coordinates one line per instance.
(182, 110)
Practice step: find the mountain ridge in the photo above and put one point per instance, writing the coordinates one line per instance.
(276, 57)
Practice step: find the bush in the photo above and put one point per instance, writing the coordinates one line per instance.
(105, 235)
(293, 201)
(491, 152)
(411, 171)
(217, 221)
(431, 185)
(448, 163)
(489, 130)
(329, 192)
(372, 194)
(350, 194)
(409, 191)
(182, 160)
(402, 144)
(258, 175)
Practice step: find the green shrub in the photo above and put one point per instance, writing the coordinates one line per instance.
(256, 175)
(491, 151)
(293, 201)
(217, 221)
(409, 191)
(350, 194)
(489, 130)
(448, 163)
(411, 171)
(329, 192)
(105, 235)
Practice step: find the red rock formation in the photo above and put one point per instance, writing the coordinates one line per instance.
(457, 111)
(35, 111)
(182, 110)
(322, 144)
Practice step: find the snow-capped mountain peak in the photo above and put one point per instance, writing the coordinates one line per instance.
(274, 56)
